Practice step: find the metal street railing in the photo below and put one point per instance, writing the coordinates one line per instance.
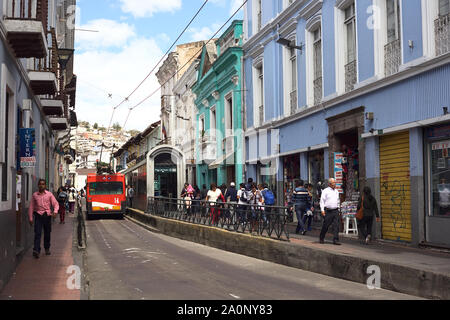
(266, 221)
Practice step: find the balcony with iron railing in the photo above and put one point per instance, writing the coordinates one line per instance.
(350, 76)
(293, 102)
(26, 23)
(392, 57)
(43, 74)
(318, 91)
(261, 115)
(259, 21)
(228, 41)
(442, 34)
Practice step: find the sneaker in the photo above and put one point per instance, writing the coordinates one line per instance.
(47, 252)
(321, 241)
(337, 243)
(303, 233)
(36, 254)
(368, 238)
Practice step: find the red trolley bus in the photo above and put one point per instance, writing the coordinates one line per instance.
(105, 195)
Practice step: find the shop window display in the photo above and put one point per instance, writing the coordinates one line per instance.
(440, 178)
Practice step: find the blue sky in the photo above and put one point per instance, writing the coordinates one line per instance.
(132, 36)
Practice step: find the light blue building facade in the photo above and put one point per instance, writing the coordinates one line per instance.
(366, 81)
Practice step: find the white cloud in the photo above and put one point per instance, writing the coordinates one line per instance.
(101, 70)
(235, 4)
(146, 8)
(205, 33)
(110, 34)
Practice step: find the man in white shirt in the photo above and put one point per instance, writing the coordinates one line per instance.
(329, 206)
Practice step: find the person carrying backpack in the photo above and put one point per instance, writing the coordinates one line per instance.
(269, 200)
(302, 201)
(62, 199)
(243, 201)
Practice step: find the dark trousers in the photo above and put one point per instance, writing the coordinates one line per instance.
(300, 211)
(365, 226)
(331, 219)
(42, 222)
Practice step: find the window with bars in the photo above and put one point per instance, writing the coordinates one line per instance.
(392, 50)
(442, 28)
(293, 91)
(350, 25)
(259, 12)
(261, 94)
(317, 47)
(350, 30)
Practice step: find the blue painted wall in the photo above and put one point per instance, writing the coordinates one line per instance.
(365, 40)
(412, 29)
(328, 48)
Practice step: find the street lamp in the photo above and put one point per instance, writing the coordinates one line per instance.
(290, 44)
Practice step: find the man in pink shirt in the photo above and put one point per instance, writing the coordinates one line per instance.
(40, 212)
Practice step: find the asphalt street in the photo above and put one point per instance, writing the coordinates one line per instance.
(125, 261)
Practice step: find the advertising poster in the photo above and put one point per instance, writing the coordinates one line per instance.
(339, 171)
(27, 148)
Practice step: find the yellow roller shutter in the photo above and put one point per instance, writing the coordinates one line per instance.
(395, 187)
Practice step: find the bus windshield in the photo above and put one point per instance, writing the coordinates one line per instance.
(105, 188)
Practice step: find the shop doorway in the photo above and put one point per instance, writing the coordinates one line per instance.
(347, 152)
(291, 174)
(231, 174)
(165, 176)
(347, 143)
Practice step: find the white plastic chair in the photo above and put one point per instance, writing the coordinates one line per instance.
(350, 225)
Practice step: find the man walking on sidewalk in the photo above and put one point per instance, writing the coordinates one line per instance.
(329, 206)
(40, 213)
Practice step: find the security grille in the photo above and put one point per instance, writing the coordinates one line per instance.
(442, 34)
(392, 57)
(350, 76)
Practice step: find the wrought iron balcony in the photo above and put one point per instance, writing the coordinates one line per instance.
(259, 21)
(318, 92)
(261, 115)
(26, 27)
(209, 151)
(42, 71)
(293, 102)
(442, 34)
(392, 57)
(350, 76)
(228, 41)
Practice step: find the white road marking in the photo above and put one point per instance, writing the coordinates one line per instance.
(234, 296)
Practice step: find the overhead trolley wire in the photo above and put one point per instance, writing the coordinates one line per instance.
(164, 56)
(154, 68)
(181, 68)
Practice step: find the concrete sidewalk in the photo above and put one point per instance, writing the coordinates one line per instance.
(46, 278)
(418, 258)
(419, 272)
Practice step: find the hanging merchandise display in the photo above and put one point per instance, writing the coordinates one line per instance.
(350, 166)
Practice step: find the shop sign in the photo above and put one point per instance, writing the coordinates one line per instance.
(441, 145)
(339, 171)
(27, 148)
(439, 132)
